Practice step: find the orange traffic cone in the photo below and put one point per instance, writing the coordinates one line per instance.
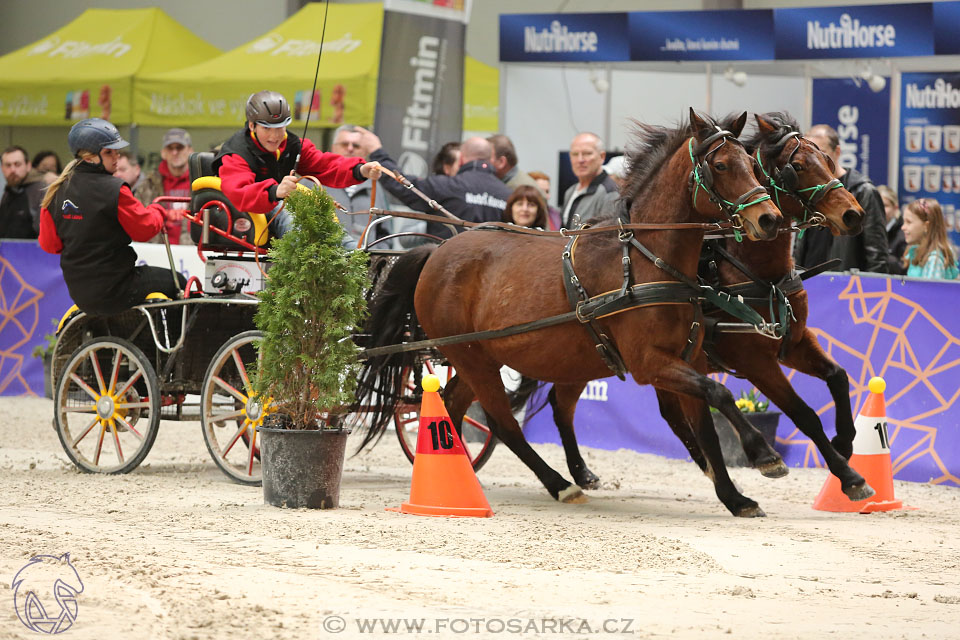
(871, 459)
(444, 483)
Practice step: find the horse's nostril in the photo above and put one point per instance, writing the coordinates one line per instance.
(769, 222)
(852, 218)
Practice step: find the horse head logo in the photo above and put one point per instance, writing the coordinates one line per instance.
(45, 594)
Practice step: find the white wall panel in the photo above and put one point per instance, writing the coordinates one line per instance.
(760, 94)
(652, 97)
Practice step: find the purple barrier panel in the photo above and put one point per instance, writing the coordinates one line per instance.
(32, 292)
(903, 330)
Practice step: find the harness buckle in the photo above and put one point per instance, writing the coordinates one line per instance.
(694, 329)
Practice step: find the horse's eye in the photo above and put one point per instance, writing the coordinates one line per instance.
(797, 166)
(719, 166)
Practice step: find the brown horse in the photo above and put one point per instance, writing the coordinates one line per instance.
(750, 270)
(806, 189)
(484, 280)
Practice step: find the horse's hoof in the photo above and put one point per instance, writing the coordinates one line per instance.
(589, 482)
(750, 512)
(859, 491)
(572, 495)
(776, 469)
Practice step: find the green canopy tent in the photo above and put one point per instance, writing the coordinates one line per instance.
(87, 68)
(213, 93)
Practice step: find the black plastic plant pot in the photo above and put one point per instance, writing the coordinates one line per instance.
(302, 468)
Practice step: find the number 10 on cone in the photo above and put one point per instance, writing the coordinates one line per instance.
(438, 436)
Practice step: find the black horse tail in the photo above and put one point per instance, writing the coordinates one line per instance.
(521, 396)
(381, 384)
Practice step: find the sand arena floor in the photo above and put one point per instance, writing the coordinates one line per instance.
(174, 550)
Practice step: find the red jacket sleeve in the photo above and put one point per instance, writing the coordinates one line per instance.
(141, 223)
(49, 240)
(239, 184)
(331, 169)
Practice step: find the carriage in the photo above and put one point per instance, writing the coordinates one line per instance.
(116, 378)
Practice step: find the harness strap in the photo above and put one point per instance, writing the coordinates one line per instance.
(576, 295)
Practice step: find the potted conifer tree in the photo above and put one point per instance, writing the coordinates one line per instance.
(313, 301)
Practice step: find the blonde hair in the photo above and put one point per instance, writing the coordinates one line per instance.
(64, 177)
(928, 211)
(888, 195)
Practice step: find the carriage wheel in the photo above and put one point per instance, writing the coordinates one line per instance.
(230, 411)
(107, 406)
(477, 437)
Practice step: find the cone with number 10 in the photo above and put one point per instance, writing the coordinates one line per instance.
(444, 483)
(871, 459)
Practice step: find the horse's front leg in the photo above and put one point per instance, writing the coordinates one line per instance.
(682, 378)
(694, 416)
(806, 356)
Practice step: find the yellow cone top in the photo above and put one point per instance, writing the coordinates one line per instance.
(432, 382)
(877, 385)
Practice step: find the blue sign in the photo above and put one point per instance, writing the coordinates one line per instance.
(930, 140)
(946, 17)
(564, 37)
(862, 118)
(868, 31)
(701, 35)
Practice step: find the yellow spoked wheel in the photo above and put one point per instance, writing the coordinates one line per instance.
(107, 410)
(230, 411)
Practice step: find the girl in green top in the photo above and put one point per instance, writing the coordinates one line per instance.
(928, 254)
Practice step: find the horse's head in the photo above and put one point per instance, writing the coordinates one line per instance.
(723, 183)
(792, 166)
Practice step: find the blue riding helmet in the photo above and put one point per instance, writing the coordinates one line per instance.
(94, 134)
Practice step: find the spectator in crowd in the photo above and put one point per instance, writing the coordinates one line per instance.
(129, 170)
(866, 251)
(89, 218)
(258, 164)
(896, 243)
(20, 206)
(48, 164)
(447, 160)
(526, 208)
(928, 253)
(505, 163)
(475, 194)
(616, 168)
(554, 217)
(346, 142)
(172, 178)
(594, 188)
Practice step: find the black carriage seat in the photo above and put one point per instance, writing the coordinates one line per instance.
(205, 188)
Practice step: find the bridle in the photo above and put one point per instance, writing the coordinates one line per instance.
(787, 181)
(701, 178)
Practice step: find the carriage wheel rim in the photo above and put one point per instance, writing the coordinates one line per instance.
(93, 406)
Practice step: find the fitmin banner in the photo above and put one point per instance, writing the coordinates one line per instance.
(867, 31)
(906, 331)
(564, 37)
(420, 86)
(862, 118)
(701, 35)
(930, 140)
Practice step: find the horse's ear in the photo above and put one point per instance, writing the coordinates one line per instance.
(765, 126)
(737, 127)
(697, 125)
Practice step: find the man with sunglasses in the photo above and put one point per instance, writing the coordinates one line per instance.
(261, 164)
(866, 251)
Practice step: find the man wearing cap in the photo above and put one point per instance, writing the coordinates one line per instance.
(171, 178)
(258, 165)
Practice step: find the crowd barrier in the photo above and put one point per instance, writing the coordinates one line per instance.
(902, 329)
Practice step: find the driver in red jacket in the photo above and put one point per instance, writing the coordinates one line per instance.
(257, 165)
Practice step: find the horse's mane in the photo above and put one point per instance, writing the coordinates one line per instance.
(650, 148)
(783, 122)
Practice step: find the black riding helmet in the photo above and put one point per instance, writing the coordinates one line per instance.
(94, 134)
(268, 108)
